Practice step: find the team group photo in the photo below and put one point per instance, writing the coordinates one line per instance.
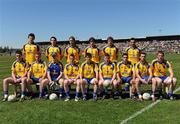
(90, 62)
(133, 69)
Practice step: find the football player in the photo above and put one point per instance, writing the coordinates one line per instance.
(112, 50)
(37, 72)
(53, 48)
(93, 50)
(133, 52)
(126, 74)
(89, 75)
(107, 71)
(71, 75)
(54, 75)
(30, 49)
(72, 49)
(143, 73)
(159, 67)
(18, 76)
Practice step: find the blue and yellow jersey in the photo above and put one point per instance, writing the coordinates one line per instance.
(53, 49)
(160, 68)
(95, 52)
(88, 70)
(29, 51)
(71, 70)
(143, 68)
(133, 54)
(107, 70)
(73, 50)
(38, 70)
(55, 69)
(112, 51)
(19, 68)
(125, 70)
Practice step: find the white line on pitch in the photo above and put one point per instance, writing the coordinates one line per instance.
(143, 110)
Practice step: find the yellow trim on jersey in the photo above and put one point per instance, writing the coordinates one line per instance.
(19, 68)
(73, 50)
(107, 70)
(53, 49)
(143, 68)
(95, 52)
(159, 69)
(29, 51)
(133, 54)
(38, 69)
(88, 70)
(125, 70)
(72, 71)
(112, 51)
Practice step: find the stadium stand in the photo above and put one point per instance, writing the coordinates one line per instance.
(169, 44)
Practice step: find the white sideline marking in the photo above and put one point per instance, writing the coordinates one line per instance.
(143, 110)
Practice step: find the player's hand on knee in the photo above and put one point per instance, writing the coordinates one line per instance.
(144, 81)
(51, 83)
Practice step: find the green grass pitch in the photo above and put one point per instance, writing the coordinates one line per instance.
(101, 112)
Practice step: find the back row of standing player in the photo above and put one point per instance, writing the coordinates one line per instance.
(133, 69)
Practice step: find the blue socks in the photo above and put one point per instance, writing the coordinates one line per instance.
(60, 90)
(77, 94)
(67, 93)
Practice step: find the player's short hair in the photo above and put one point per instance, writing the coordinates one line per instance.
(106, 54)
(143, 53)
(53, 38)
(72, 37)
(92, 39)
(31, 35)
(124, 54)
(132, 38)
(160, 52)
(18, 52)
(110, 38)
(88, 55)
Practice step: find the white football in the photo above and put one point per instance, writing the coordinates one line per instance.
(53, 96)
(106, 83)
(12, 98)
(146, 96)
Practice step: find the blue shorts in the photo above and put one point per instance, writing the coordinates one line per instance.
(35, 80)
(107, 79)
(145, 77)
(88, 80)
(126, 79)
(163, 78)
(53, 79)
(17, 77)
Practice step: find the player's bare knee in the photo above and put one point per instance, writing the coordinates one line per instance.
(83, 82)
(100, 83)
(78, 83)
(66, 83)
(28, 81)
(115, 83)
(60, 81)
(174, 80)
(159, 81)
(137, 80)
(5, 81)
(132, 82)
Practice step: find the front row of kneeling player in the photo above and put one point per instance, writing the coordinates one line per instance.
(89, 73)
